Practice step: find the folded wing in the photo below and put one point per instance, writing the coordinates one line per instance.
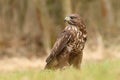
(59, 45)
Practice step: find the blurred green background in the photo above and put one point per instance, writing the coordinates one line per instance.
(28, 30)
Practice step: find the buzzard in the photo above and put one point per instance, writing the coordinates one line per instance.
(68, 48)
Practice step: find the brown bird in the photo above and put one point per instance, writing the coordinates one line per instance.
(68, 49)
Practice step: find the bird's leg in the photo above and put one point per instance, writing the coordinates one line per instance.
(76, 60)
(63, 61)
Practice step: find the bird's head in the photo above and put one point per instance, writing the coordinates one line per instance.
(74, 19)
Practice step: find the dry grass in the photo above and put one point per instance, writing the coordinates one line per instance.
(13, 64)
(105, 70)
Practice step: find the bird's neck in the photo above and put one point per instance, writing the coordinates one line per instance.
(82, 27)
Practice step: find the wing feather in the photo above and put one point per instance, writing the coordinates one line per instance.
(59, 45)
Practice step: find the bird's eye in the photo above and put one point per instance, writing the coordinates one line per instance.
(71, 17)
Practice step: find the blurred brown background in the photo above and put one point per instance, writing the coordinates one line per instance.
(28, 28)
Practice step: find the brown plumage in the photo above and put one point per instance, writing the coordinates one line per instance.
(68, 49)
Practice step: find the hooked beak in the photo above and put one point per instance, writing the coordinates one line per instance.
(67, 19)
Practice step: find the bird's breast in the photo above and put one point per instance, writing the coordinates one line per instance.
(77, 42)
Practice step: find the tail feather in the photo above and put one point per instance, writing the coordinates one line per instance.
(51, 64)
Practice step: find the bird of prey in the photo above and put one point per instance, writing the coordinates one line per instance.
(68, 48)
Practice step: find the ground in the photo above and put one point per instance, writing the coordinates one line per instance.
(102, 70)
